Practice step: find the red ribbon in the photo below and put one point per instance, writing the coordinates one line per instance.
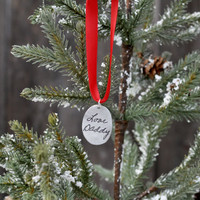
(92, 45)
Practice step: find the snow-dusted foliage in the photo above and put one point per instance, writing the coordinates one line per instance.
(156, 92)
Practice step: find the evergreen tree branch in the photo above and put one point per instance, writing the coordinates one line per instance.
(73, 12)
(149, 141)
(36, 54)
(103, 79)
(58, 166)
(192, 157)
(175, 108)
(153, 94)
(63, 97)
(187, 184)
(129, 161)
(175, 25)
(71, 152)
(42, 153)
(142, 13)
(72, 9)
(163, 98)
(16, 181)
(64, 56)
(45, 57)
(22, 132)
(140, 112)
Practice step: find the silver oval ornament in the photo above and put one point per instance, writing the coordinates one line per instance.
(97, 125)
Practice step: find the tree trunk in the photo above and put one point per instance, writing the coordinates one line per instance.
(121, 125)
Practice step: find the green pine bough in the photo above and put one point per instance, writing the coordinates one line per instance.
(155, 92)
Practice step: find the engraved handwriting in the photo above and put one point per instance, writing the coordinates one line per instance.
(97, 123)
(94, 118)
(95, 129)
(98, 129)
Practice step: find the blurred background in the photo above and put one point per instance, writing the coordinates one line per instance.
(16, 74)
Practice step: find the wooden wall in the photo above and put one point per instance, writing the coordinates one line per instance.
(16, 74)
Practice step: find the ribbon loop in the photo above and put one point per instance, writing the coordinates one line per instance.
(92, 45)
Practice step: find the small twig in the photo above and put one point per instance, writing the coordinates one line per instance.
(147, 192)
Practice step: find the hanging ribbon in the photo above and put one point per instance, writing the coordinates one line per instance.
(92, 45)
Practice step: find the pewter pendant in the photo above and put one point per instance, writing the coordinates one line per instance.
(97, 125)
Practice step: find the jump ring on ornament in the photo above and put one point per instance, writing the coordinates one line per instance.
(99, 104)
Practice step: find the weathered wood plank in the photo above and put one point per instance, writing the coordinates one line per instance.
(5, 18)
(2, 61)
(22, 74)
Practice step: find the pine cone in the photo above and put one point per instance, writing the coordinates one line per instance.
(152, 66)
